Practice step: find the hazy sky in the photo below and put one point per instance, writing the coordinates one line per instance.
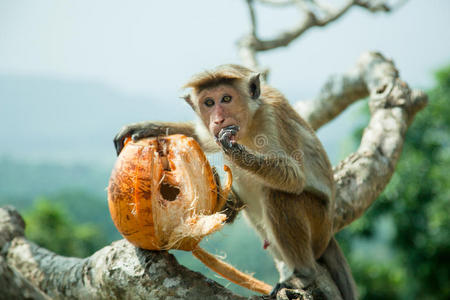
(151, 47)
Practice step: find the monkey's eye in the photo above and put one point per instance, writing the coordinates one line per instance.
(209, 102)
(226, 99)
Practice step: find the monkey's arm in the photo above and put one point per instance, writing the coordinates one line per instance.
(280, 171)
(151, 129)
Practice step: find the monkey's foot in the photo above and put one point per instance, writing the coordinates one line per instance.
(289, 291)
(277, 288)
(284, 292)
(291, 288)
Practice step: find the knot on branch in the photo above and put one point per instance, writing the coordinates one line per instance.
(393, 93)
(385, 88)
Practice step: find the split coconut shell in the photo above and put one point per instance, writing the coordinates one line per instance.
(163, 193)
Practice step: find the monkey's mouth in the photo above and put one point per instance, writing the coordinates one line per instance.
(232, 129)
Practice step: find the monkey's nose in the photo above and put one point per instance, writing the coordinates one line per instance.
(219, 121)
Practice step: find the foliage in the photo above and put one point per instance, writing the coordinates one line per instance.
(50, 226)
(417, 205)
(87, 207)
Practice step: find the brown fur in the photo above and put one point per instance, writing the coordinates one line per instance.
(302, 220)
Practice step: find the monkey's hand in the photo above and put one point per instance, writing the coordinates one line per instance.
(136, 131)
(238, 153)
(225, 136)
(233, 206)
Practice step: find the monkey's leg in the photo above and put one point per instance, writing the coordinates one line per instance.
(290, 232)
(283, 268)
(285, 271)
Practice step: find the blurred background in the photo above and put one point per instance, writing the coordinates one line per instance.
(73, 72)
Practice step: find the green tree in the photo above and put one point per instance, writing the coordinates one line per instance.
(415, 207)
(49, 225)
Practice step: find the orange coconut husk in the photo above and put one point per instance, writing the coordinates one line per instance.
(163, 195)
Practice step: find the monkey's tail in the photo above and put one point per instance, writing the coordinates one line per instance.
(337, 265)
(231, 273)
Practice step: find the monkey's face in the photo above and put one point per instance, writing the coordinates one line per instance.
(221, 107)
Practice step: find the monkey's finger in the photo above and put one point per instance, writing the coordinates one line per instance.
(225, 138)
(141, 133)
(136, 136)
(224, 142)
(232, 132)
(120, 137)
(118, 143)
(118, 146)
(227, 132)
(232, 128)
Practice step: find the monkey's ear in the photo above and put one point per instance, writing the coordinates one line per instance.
(188, 99)
(254, 86)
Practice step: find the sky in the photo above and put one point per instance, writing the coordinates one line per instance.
(147, 49)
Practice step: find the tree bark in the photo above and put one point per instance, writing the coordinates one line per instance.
(13, 285)
(121, 271)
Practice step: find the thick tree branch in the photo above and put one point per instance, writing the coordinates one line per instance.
(363, 175)
(118, 271)
(12, 284)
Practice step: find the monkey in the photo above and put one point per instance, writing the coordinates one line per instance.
(283, 178)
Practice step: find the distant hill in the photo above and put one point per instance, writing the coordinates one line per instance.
(67, 120)
(20, 180)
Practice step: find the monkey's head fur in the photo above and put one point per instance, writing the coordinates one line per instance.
(224, 96)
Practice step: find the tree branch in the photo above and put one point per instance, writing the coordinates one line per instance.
(279, 3)
(311, 20)
(246, 51)
(315, 15)
(363, 175)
